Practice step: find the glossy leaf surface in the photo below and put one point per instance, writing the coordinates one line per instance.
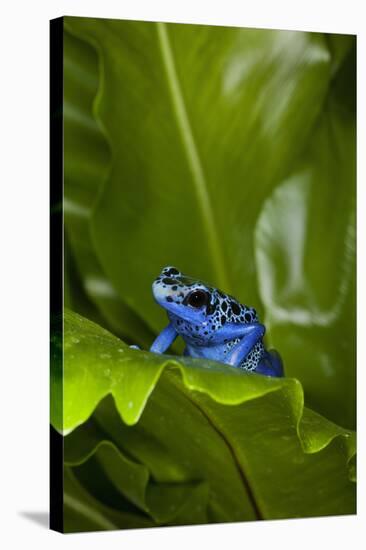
(230, 153)
(242, 445)
(244, 178)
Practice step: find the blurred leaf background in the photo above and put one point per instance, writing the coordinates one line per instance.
(229, 153)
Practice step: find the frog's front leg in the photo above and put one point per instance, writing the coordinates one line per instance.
(251, 333)
(164, 340)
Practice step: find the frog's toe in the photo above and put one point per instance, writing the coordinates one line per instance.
(271, 364)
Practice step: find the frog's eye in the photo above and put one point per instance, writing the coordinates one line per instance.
(197, 298)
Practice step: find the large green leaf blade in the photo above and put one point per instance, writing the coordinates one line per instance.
(307, 275)
(277, 142)
(86, 167)
(269, 136)
(215, 163)
(280, 455)
(84, 512)
(164, 502)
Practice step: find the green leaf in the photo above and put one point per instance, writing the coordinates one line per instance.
(258, 83)
(239, 169)
(307, 275)
(245, 436)
(86, 167)
(83, 512)
(164, 502)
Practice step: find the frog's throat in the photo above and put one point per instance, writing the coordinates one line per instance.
(178, 311)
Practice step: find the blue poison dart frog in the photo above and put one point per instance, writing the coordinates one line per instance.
(213, 325)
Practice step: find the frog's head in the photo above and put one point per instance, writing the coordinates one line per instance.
(196, 309)
(186, 298)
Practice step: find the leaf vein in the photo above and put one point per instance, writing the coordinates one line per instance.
(192, 155)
